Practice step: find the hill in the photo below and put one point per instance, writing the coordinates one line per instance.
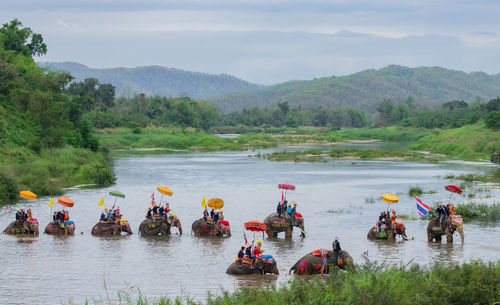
(156, 80)
(426, 85)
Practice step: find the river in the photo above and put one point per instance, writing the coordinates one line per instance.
(337, 198)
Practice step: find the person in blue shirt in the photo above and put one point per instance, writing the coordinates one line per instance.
(103, 217)
(241, 253)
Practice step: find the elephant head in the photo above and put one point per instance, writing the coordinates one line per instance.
(33, 227)
(270, 267)
(126, 228)
(173, 221)
(299, 222)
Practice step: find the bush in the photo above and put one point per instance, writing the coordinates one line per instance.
(415, 190)
(8, 189)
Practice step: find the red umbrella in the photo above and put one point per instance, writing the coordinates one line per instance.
(452, 189)
(255, 226)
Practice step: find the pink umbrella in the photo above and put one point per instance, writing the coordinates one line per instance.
(286, 186)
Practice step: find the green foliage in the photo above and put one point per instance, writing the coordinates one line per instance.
(493, 120)
(481, 212)
(14, 37)
(471, 142)
(415, 190)
(471, 283)
(8, 188)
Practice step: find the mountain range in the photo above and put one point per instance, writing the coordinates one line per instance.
(425, 85)
(156, 80)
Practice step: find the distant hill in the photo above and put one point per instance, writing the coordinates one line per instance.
(426, 85)
(156, 80)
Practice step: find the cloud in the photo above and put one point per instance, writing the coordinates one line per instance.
(266, 41)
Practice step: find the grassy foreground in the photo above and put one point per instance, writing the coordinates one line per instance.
(471, 283)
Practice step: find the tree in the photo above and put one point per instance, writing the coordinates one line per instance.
(493, 120)
(15, 38)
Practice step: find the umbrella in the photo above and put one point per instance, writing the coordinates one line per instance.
(286, 186)
(65, 201)
(215, 203)
(390, 199)
(452, 189)
(164, 191)
(116, 194)
(27, 194)
(255, 226)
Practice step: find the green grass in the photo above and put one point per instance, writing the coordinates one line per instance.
(415, 190)
(471, 283)
(481, 212)
(470, 142)
(48, 172)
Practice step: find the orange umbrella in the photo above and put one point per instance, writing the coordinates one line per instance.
(255, 226)
(65, 201)
(27, 194)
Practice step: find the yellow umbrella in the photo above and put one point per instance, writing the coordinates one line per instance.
(164, 190)
(390, 199)
(27, 194)
(215, 203)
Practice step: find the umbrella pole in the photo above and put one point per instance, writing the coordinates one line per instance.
(449, 199)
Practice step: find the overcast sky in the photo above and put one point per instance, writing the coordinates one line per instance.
(266, 41)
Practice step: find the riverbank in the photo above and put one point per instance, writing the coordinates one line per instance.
(471, 283)
(50, 171)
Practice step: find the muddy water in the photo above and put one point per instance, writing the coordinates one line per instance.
(337, 198)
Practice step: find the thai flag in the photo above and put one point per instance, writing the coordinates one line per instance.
(245, 237)
(422, 207)
(7, 208)
(365, 253)
(282, 197)
(153, 197)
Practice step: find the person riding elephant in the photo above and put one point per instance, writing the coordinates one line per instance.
(209, 228)
(112, 228)
(64, 228)
(160, 225)
(319, 262)
(22, 227)
(436, 228)
(276, 224)
(263, 265)
(387, 228)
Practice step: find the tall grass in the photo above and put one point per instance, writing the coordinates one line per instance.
(482, 212)
(471, 283)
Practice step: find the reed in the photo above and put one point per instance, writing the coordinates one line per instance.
(475, 282)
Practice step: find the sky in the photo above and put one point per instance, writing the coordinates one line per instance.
(266, 41)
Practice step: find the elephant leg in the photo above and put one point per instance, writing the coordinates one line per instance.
(270, 233)
(430, 236)
(449, 237)
(437, 237)
(288, 233)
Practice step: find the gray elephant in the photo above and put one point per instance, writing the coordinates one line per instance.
(312, 263)
(22, 227)
(276, 224)
(266, 264)
(160, 225)
(202, 227)
(436, 228)
(111, 228)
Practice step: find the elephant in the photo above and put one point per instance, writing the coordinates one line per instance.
(436, 228)
(202, 227)
(389, 233)
(276, 224)
(54, 228)
(311, 263)
(264, 265)
(22, 227)
(111, 228)
(160, 225)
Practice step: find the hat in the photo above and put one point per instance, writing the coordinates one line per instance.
(294, 203)
(336, 238)
(259, 242)
(173, 214)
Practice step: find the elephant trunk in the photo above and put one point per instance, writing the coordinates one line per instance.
(461, 232)
(292, 269)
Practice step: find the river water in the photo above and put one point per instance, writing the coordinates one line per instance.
(337, 198)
